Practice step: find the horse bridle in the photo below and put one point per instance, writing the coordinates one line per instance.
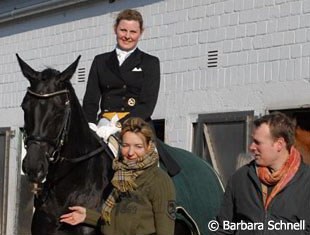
(57, 142)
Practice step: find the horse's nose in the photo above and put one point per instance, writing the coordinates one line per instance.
(35, 164)
(35, 175)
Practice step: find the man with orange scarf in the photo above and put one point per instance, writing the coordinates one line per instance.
(271, 194)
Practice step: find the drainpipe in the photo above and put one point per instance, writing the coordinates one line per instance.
(38, 8)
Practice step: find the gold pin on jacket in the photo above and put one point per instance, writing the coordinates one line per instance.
(131, 102)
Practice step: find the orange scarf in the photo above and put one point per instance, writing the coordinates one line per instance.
(279, 179)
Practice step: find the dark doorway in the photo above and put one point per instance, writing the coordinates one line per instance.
(219, 138)
(302, 136)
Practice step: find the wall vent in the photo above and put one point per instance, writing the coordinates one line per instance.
(212, 59)
(81, 75)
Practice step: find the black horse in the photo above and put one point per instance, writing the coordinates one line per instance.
(76, 166)
(62, 150)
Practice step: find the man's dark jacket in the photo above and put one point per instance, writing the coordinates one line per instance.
(243, 202)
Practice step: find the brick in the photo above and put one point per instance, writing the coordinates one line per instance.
(285, 10)
(275, 70)
(250, 30)
(294, 23)
(306, 49)
(248, 16)
(274, 54)
(274, 12)
(247, 44)
(300, 36)
(219, 8)
(296, 51)
(306, 7)
(214, 22)
(269, 3)
(304, 21)
(248, 4)
(282, 75)
(238, 6)
(247, 74)
(263, 55)
(240, 31)
(252, 57)
(277, 39)
(210, 10)
(268, 72)
(297, 69)
(196, 12)
(258, 3)
(227, 46)
(261, 28)
(289, 38)
(296, 7)
(305, 68)
(283, 24)
(257, 43)
(229, 6)
(231, 32)
(237, 45)
(267, 41)
(290, 71)
(285, 52)
(261, 72)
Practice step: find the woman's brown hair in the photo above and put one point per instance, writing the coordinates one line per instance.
(138, 125)
(129, 14)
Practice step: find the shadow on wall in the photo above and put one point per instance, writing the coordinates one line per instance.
(63, 15)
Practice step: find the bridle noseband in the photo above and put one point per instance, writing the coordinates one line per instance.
(60, 138)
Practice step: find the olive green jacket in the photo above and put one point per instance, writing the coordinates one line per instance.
(150, 209)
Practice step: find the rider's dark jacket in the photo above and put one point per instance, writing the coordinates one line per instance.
(150, 209)
(132, 87)
(243, 202)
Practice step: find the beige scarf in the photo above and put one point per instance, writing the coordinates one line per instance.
(126, 172)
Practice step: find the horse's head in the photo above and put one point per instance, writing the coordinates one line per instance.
(46, 107)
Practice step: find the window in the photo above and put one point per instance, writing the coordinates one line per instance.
(219, 138)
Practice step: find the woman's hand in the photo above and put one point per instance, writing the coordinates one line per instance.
(75, 217)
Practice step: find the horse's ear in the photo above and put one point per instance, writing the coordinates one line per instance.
(68, 72)
(28, 72)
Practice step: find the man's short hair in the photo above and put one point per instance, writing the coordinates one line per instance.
(280, 126)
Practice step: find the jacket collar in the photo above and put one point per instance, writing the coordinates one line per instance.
(133, 60)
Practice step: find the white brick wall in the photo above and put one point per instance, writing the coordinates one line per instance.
(264, 50)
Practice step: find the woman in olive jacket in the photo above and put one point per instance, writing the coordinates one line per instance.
(143, 198)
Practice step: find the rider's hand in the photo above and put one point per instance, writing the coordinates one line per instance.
(76, 216)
